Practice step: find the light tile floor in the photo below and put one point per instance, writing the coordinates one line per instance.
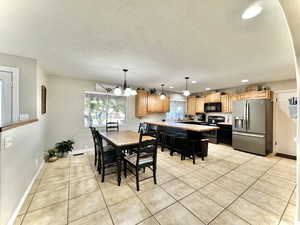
(228, 188)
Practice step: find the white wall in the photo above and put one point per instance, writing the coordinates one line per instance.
(66, 107)
(20, 162)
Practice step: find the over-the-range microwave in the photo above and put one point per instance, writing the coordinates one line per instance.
(213, 107)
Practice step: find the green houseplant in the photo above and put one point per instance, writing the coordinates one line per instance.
(64, 147)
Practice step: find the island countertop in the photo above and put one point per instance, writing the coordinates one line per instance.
(191, 127)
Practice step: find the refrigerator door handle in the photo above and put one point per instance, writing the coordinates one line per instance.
(249, 135)
(247, 118)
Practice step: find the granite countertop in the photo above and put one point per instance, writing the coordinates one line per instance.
(191, 127)
(225, 123)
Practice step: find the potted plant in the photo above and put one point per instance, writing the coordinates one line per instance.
(64, 147)
(52, 155)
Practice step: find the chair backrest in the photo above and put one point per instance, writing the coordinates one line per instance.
(143, 126)
(112, 126)
(146, 148)
(93, 129)
(99, 143)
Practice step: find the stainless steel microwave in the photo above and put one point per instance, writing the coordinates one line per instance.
(213, 107)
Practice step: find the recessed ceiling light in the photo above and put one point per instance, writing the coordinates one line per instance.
(252, 11)
(171, 87)
(207, 89)
(194, 81)
(244, 81)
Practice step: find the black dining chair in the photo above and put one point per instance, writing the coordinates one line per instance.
(112, 126)
(145, 156)
(93, 130)
(107, 156)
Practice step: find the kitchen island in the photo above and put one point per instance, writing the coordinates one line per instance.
(187, 139)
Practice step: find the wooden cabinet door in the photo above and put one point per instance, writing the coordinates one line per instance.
(191, 105)
(225, 103)
(141, 103)
(151, 106)
(200, 105)
(166, 105)
(155, 104)
(214, 97)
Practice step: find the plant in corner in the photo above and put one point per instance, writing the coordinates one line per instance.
(52, 155)
(64, 147)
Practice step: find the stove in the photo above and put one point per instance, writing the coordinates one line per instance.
(213, 121)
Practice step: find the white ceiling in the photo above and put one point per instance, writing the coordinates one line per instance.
(158, 41)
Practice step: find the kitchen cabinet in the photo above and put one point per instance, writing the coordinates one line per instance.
(225, 103)
(155, 104)
(200, 105)
(141, 103)
(191, 105)
(166, 104)
(214, 97)
(231, 99)
(266, 94)
(225, 134)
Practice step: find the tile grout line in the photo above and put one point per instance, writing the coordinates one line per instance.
(107, 208)
(240, 196)
(286, 205)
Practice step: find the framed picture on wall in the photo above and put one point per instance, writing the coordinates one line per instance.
(44, 99)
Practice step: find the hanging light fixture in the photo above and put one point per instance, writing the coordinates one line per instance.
(186, 92)
(126, 89)
(162, 93)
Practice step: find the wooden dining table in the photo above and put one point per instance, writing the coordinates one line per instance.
(122, 140)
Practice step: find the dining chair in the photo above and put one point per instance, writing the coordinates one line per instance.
(107, 156)
(93, 129)
(112, 126)
(144, 156)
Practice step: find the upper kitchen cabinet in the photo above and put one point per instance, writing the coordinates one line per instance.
(155, 104)
(166, 105)
(191, 105)
(141, 103)
(200, 105)
(214, 97)
(266, 94)
(225, 103)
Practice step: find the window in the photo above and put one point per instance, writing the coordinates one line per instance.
(102, 107)
(177, 110)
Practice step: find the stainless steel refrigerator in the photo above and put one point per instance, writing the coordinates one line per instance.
(252, 127)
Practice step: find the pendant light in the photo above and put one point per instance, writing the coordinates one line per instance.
(186, 92)
(126, 89)
(162, 94)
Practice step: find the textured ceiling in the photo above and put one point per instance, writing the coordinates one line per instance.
(158, 41)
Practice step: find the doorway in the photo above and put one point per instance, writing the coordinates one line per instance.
(285, 128)
(9, 95)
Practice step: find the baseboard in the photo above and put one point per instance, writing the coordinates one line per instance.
(286, 156)
(17, 210)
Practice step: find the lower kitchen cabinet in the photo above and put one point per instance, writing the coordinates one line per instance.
(225, 134)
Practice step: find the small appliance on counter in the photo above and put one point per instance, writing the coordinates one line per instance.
(201, 117)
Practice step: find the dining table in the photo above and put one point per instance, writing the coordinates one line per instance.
(121, 141)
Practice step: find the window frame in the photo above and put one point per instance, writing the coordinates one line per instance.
(106, 112)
